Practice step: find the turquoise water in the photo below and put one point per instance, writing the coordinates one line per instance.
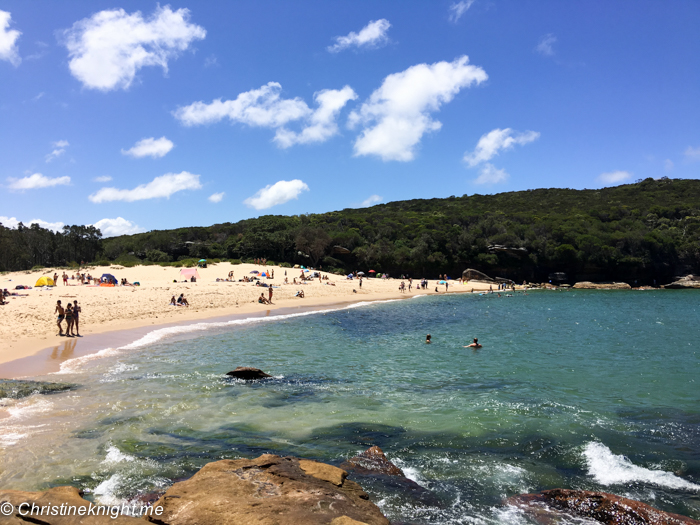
(581, 389)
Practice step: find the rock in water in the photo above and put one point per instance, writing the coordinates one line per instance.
(600, 506)
(17, 388)
(373, 461)
(248, 373)
(268, 490)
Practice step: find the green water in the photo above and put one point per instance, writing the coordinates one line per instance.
(595, 390)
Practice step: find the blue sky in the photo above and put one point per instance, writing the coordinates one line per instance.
(137, 116)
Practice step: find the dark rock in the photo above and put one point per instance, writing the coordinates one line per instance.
(248, 373)
(54, 498)
(268, 490)
(17, 388)
(546, 506)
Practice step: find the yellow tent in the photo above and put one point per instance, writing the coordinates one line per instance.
(45, 281)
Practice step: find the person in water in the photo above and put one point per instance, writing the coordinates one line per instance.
(475, 344)
(427, 339)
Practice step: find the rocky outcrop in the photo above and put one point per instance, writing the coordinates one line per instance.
(588, 285)
(268, 490)
(689, 281)
(50, 504)
(17, 388)
(248, 373)
(546, 506)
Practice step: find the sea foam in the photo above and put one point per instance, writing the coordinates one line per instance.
(612, 469)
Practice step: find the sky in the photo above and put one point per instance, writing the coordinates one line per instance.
(137, 116)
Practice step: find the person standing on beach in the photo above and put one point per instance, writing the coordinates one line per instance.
(69, 320)
(55, 279)
(269, 292)
(76, 317)
(61, 315)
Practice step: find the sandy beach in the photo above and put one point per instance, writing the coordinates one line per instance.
(30, 323)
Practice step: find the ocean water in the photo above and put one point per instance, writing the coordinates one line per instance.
(581, 389)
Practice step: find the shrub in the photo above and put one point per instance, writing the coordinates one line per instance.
(235, 261)
(285, 265)
(37, 268)
(103, 262)
(157, 256)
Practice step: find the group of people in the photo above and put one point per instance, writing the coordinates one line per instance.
(180, 301)
(475, 344)
(71, 314)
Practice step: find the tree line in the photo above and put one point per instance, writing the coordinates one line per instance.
(645, 231)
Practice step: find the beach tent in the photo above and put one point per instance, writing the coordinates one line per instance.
(189, 272)
(45, 281)
(108, 278)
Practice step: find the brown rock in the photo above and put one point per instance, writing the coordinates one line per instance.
(344, 520)
(248, 373)
(588, 285)
(323, 471)
(269, 490)
(53, 499)
(372, 461)
(600, 506)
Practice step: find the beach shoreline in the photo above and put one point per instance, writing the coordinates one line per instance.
(114, 317)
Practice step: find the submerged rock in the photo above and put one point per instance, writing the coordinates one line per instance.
(268, 490)
(605, 508)
(248, 373)
(17, 388)
(588, 285)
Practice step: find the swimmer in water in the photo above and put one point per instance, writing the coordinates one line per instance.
(427, 339)
(475, 344)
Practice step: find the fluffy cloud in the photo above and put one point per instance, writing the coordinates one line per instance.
(277, 193)
(692, 153)
(372, 199)
(37, 181)
(12, 222)
(321, 124)
(459, 8)
(8, 40)
(118, 226)
(494, 141)
(151, 147)
(545, 46)
(397, 114)
(264, 107)
(108, 49)
(216, 197)
(59, 149)
(491, 175)
(372, 35)
(103, 178)
(614, 177)
(163, 186)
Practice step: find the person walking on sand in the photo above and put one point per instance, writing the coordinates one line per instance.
(65, 279)
(475, 344)
(61, 315)
(76, 317)
(269, 293)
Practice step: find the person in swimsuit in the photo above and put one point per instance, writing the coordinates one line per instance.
(61, 315)
(76, 317)
(475, 344)
(427, 339)
(69, 320)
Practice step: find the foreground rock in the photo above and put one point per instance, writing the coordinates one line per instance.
(248, 373)
(269, 490)
(588, 285)
(53, 499)
(372, 463)
(689, 281)
(17, 388)
(600, 506)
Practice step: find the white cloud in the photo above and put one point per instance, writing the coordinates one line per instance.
(491, 143)
(614, 177)
(668, 165)
(372, 199)
(397, 115)
(216, 197)
(692, 153)
(459, 8)
(150, 147)
(277, 193)
(545, 46)
(118, 226)
(8, 40)
(163, 186)
(37, 181)
(264, 107)
(372, 35)
(491, 175)
(108, 49)
(321, 124)
(12, 222)
(103, 178)
(59, 149)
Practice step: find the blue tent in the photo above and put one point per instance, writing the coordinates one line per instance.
(108, 278)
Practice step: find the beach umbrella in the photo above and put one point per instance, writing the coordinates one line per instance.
(202, 260)
(255, 271)
(45, 281)
(372, 271)
(306, 271)
(263, 274)
(442, 282)
(360, 273)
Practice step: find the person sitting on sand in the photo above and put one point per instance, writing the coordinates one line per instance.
(173, 301)
(262, 299)
(427, 339)
(61, 315)
(475, 344)
(300, 293)
(182, 301)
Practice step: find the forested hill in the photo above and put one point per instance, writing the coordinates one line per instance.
(643, 231)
